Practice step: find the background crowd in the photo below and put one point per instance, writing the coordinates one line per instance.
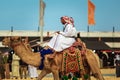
(19, 69)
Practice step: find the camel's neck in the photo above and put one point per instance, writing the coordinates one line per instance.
(27, 55)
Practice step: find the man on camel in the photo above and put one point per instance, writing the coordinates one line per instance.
(62, 39)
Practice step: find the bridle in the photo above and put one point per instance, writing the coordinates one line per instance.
(15, 42)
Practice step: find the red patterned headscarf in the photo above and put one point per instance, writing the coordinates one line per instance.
(68, 20)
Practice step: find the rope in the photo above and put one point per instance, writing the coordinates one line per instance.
(33, 40)
(39, 39)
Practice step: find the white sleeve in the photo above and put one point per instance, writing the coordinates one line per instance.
(69, 31)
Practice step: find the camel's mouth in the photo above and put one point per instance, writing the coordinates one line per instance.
(3, 43)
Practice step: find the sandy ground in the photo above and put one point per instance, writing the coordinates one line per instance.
(109, 74)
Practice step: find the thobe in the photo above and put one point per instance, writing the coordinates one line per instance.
(15, 65)
(63, 40)
(32, 71)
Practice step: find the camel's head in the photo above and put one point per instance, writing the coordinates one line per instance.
(8, 40)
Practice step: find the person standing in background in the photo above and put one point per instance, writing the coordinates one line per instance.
(2, 70)
(23, 69)
(32, 71)
(117, 65)
(15, 66)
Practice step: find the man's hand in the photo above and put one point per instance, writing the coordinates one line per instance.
(58, 32)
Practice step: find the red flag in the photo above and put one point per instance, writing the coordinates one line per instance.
(91, 10)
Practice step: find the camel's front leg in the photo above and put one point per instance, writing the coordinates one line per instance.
(56, 75)
(55, 72)
(43, 73)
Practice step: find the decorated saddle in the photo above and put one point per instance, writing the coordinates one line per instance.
(72, 61)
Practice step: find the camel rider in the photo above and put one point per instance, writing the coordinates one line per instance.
(62, 39)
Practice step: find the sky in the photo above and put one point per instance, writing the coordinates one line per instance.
(24, 14)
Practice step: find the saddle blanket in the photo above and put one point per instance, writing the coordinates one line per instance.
(71, 61)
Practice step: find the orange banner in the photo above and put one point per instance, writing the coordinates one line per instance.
(91, 10)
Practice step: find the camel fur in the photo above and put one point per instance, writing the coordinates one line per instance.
(53, 66)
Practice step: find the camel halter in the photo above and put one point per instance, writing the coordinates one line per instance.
(15, 43)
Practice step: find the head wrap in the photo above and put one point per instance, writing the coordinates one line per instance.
(68, 20)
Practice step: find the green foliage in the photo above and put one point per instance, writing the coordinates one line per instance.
(74, 78)
(86, 76)
(64, 78)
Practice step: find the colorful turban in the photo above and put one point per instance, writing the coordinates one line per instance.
(68, 20)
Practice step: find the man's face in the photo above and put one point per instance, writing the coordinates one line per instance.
(63, 21)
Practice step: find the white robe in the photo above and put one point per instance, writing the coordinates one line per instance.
(32, 71)
(117, 57)
(63, 40)
(15, 65)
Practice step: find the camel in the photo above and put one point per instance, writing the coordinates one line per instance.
(50, 66)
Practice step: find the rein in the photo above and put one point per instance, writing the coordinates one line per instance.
(44, 36)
